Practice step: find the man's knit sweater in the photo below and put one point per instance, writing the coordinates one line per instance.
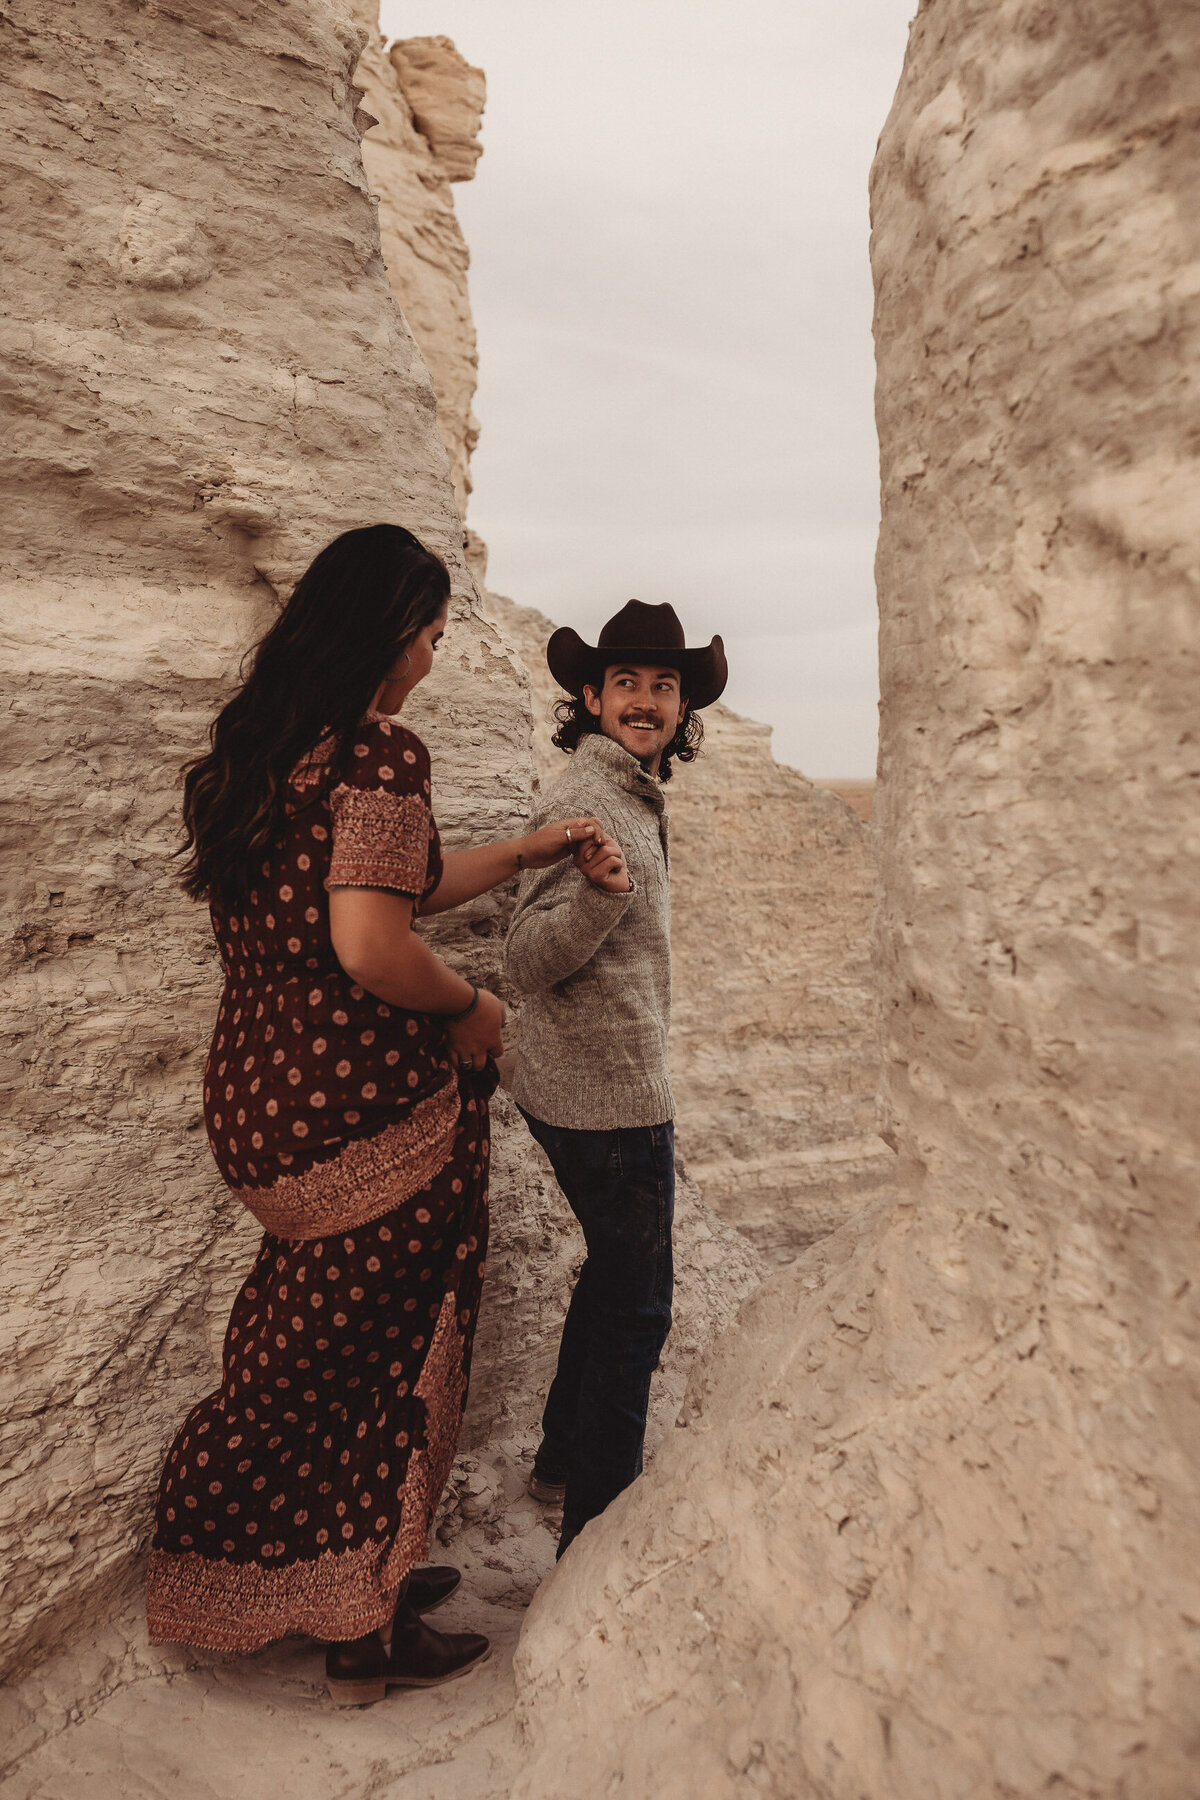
(595, 966)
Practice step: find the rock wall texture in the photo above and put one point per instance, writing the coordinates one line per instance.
(932, 1527)
(207, 377)
(774, 1045)
(427, 102)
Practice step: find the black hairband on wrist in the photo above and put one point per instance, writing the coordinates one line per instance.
(468, 1009)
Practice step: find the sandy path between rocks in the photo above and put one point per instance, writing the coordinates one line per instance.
(166, 1723)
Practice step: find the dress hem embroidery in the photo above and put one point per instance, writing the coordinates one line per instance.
(367, 1178)
(242, 1606)
(193, 1599)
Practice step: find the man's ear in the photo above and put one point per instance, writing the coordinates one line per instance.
(591, 699)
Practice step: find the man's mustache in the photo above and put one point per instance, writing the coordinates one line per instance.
(641, 718)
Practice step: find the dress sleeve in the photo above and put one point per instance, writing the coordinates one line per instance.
(434, 870)
(382, 824)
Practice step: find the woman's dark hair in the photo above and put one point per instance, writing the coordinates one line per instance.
(359, 603)
(575, 722)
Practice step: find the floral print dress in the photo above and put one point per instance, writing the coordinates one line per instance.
(297, 1496)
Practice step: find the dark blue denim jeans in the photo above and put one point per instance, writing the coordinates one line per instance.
(621, 1187)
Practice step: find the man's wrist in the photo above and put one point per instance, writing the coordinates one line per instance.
(595, 887)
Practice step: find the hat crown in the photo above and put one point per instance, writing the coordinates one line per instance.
(638, 635)
(643, 627)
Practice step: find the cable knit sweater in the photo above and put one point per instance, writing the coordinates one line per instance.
(596, 967)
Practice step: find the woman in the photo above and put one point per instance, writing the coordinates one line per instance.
(346, 1100)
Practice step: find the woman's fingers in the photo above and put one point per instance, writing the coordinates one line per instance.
(596, 846)
(563, 837)
(582, 834)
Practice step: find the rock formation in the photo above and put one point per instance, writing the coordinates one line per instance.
(774, 1046)
(446, 96)
(209, 377)
(932, 1526)
(929, 1526)
(427, 103)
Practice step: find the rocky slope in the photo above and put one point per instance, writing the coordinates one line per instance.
(932, 1527)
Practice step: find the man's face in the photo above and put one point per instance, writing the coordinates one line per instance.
(639, 707)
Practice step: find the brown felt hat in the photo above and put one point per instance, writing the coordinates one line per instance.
(639, 634)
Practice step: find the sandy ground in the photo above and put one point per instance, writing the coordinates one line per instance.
(168, 1723)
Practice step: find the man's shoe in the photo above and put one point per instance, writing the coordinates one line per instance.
(548, 1479)
(362, 1671)
(431, 1586)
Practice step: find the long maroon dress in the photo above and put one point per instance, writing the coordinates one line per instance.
(299, 1494)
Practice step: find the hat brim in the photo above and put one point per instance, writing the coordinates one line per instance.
(574, 664)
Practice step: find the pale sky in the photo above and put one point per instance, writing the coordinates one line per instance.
(670, 282)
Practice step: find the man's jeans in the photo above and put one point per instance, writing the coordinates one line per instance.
(621, 1188)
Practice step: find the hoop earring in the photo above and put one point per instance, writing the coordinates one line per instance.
(388, 679)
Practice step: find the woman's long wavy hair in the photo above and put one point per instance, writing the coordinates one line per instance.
(357, 606)
(574, 721)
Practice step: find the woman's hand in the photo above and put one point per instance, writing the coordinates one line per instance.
(473, 1039)
(553, 842)
(603, 863)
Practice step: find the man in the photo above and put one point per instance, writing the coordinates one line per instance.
(590, 948)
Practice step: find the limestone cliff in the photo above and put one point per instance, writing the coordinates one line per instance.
(207, 378)
(427, 103)
(932, 1528)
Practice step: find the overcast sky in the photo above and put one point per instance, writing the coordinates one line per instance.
(670, 282)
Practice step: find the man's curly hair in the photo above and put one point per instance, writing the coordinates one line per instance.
(575, 722)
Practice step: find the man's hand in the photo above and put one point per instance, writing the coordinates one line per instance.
(603, 863)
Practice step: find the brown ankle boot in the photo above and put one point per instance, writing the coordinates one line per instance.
(430, 1586)
(361, 1671)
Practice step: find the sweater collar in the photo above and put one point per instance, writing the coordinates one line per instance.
(615, 764)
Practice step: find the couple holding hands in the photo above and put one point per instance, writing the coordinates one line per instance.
(346, 1102)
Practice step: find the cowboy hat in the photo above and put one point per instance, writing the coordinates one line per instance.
(638, 634)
